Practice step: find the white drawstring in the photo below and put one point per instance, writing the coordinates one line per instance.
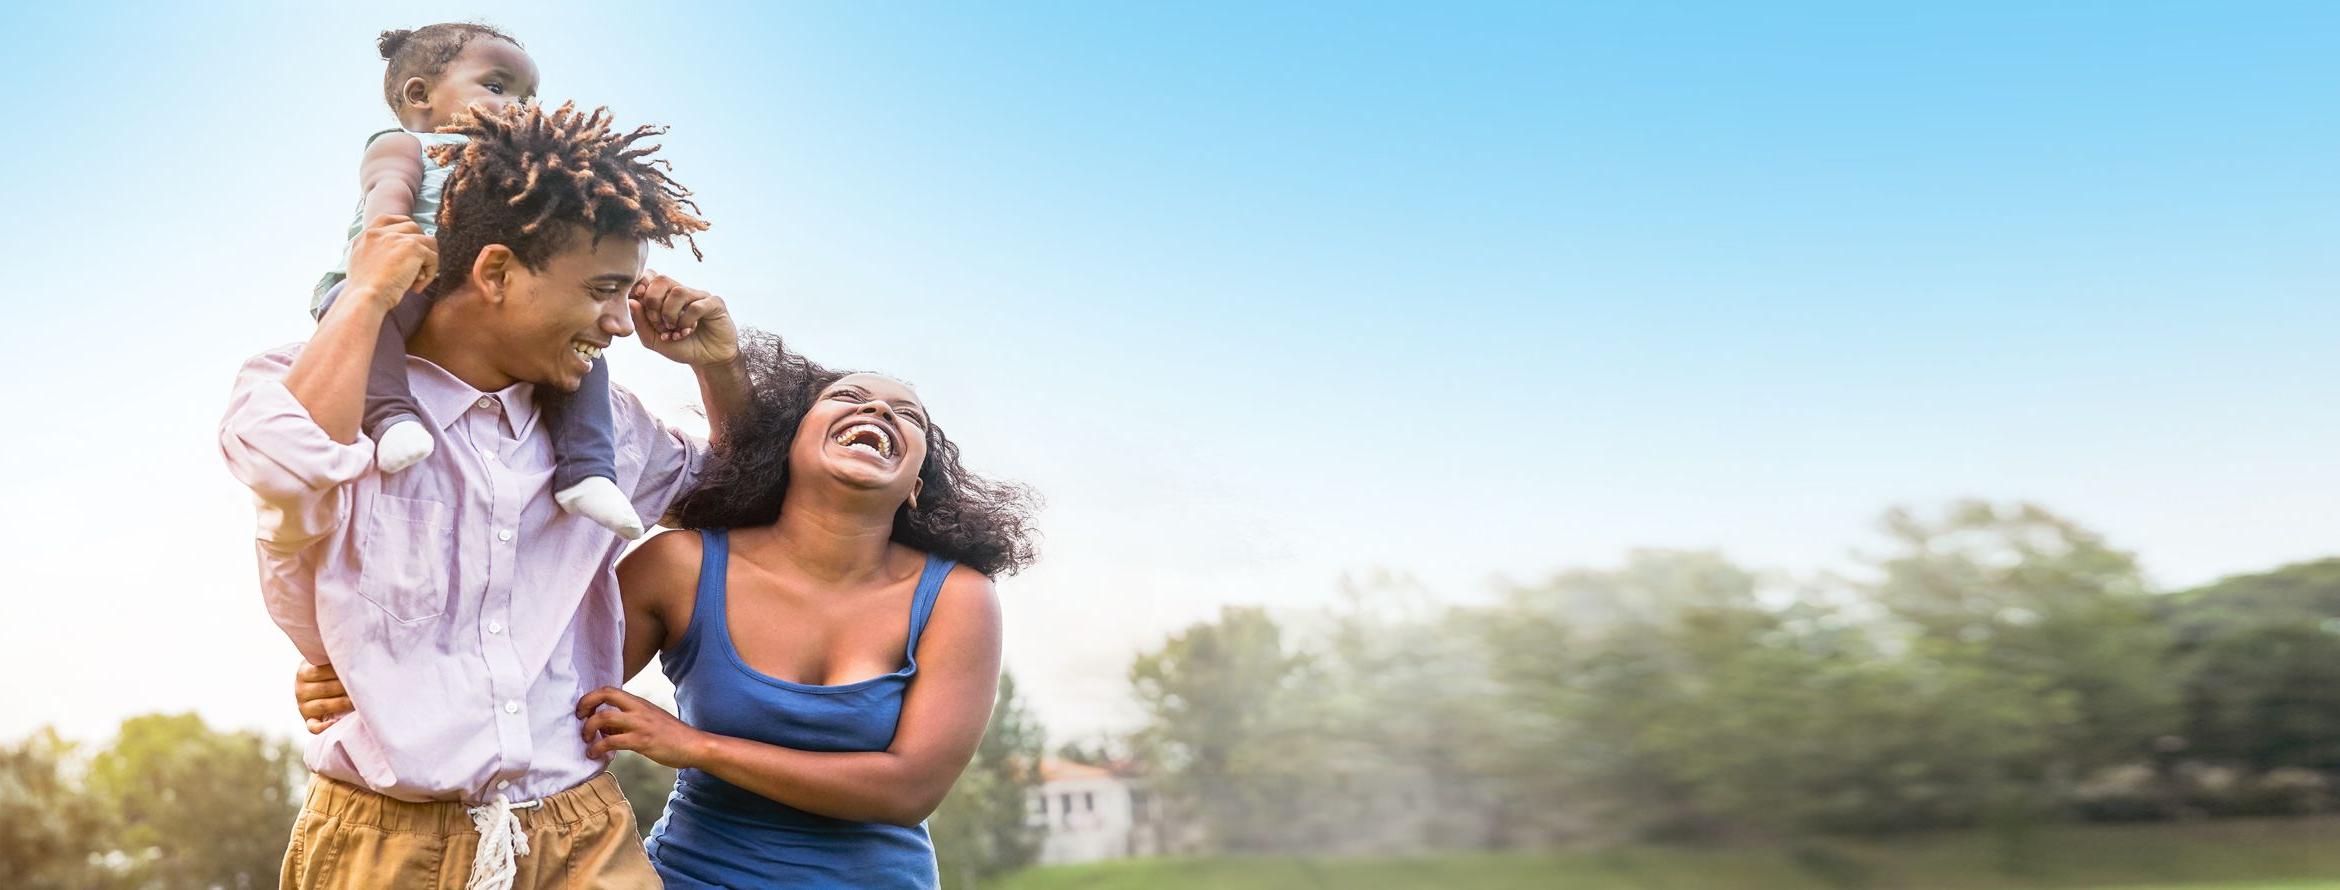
(501, 842)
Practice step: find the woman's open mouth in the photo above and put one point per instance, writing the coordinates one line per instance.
(869, 437)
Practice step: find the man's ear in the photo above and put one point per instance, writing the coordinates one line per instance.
(492, 273)
(415, 93)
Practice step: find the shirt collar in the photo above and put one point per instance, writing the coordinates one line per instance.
(444, 397)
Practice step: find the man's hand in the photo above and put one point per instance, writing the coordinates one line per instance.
(317, 689)
(391, 257)
(617, 720)
(685, 324)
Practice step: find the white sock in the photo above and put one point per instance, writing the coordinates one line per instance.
(401, 445)
(599, 499)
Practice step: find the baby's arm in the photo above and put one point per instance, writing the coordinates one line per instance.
(390, 175)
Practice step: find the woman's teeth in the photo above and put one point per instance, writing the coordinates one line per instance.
(589, 351)
(883, 447)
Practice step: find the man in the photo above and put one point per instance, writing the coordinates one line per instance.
(465, 612)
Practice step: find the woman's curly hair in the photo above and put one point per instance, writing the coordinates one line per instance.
(530, 179)
(982, 523)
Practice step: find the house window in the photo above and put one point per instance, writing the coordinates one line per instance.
(1089, 801)
(1066, 801)
(1040, 805)
(1137, 806)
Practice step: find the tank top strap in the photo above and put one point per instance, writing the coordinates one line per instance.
(708, 620)
(930, 582)
(707, 615)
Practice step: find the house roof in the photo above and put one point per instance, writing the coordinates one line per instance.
(1054, 770)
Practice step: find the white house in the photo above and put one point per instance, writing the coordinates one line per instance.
(1091, 813)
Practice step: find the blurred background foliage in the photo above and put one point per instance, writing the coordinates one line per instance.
(1994, 679)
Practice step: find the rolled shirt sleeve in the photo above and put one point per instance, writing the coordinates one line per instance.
(298, 476)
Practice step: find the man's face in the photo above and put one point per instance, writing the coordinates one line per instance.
(554, 321)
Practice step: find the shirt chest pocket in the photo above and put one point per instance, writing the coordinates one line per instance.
(404, 558)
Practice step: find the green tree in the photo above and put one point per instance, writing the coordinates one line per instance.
(2027, 594)
(1593, 666)
(981, 830)
(50, 829)
(2264, 697)
(2305, 593)
(2261, 657)
(1228, 730)
(1679, 696)
(1406, 706)
(197, 807)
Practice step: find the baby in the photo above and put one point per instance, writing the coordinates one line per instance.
(435, 73)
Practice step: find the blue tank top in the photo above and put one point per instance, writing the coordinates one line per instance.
(716, 834)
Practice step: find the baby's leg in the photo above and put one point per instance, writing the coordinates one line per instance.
(391, 418)
(585, 455)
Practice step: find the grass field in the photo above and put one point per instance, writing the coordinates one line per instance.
(2239, 855)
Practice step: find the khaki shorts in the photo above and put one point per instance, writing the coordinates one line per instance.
(348, 836)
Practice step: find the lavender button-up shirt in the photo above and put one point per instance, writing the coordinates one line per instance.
(465, 612)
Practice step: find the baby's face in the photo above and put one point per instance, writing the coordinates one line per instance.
(490, 73)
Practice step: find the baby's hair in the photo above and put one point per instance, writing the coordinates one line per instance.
(528, 178)
(426, 51)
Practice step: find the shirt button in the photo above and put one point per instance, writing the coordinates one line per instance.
(504, 535)
(502, 784)
(486, 402)
(495, 627)
(511, 707)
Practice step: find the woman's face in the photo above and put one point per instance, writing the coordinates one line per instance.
(867, 431)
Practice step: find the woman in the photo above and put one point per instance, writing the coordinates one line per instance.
(826, 613)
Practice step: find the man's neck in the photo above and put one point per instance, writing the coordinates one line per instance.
(447, 341)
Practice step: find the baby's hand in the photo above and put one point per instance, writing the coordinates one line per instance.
(391, 257)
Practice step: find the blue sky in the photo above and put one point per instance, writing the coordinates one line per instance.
(1259, 296)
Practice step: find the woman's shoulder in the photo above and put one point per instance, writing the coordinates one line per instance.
(662, 570)
(669, 550)
(959, 577)
(965, 617)
(965, 580)
(967, 594)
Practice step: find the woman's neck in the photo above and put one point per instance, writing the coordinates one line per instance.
(834, 543)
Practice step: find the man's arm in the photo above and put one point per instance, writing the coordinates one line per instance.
(391, 257)
(297, 475)
(694, 327)
(290, 431)
(723, 389)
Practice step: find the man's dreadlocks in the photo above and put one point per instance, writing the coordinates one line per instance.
(531, 179)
